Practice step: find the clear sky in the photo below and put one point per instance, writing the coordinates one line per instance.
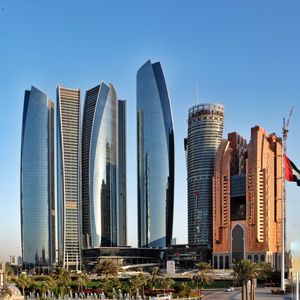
(243, 54)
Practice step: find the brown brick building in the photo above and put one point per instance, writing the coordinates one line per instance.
(247, 199)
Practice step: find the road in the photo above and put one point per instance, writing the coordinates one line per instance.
(261, 294)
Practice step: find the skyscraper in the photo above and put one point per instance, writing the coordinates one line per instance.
(122, 172)
(37, 180)
(103, 168)
(205, 130)
(155, 138)
(68, 176)
(247, 199)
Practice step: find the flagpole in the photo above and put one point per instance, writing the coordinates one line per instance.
(284, 137)
(285, 132)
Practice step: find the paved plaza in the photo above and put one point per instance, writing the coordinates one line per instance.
(261, 294)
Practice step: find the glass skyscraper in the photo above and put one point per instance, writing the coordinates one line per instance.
(122, 173)
(68, 176)
(103, 168)
(155, 138)
(37, 180)
(205, 130)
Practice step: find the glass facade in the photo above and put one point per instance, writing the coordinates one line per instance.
(155, 138)
(122, 172)
(205, 130)
(68, 176)
(37, 180)
(102, 213)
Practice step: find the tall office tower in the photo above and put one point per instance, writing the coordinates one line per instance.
(155, 138)
(103, 213)
(205, 130)
(68, 176)
(122, 172)
(247, 199)
(37, 180)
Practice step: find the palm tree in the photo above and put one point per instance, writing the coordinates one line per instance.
(47, 284)
(154, 272)
(24, 281)
(138, 282)
(110, 284)
(82, 281)
(166, 282)
(184, 290)
(63, 280)
(245, 271)
(106, 268)
(202, 277)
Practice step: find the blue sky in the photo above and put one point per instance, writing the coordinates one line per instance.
(243, 54)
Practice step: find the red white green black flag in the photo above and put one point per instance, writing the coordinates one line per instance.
(292, 173)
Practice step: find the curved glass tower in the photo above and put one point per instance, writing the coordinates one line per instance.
(205, 130)
(37, 180)
(155, 138)
(102, 216)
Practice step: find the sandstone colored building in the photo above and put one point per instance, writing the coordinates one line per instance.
(247, 193)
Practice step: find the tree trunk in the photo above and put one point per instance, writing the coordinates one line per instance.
(243, 291)
(247, 292)
(253, 289)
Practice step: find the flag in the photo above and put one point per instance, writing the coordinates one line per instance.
(292, 173)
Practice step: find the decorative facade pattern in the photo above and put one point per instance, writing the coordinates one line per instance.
(68, 176)
(205, 130)
(247, 193)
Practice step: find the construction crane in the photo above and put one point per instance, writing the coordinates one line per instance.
(285, 131)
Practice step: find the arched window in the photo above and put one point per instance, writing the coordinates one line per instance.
(227, 262)
(262, 258)
(238, 236)
(255, 258)
(221, 262)
(215, 262)
(249, 257)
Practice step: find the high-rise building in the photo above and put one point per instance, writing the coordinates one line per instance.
(103, 168)
(205, 130)
(68, 176)
(122, 172)
(155, 138)
(247, 198)
(37, 180)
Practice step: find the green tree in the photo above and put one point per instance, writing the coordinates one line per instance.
(110, 284)
(45, 284)
(203, 277)
(184, 290)
(106, 268)
(82, 280)
(246, 271)
(165, 282)
(9, 273)
(24, 281)
(63, 281)
(138, 282)
(154, 273)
